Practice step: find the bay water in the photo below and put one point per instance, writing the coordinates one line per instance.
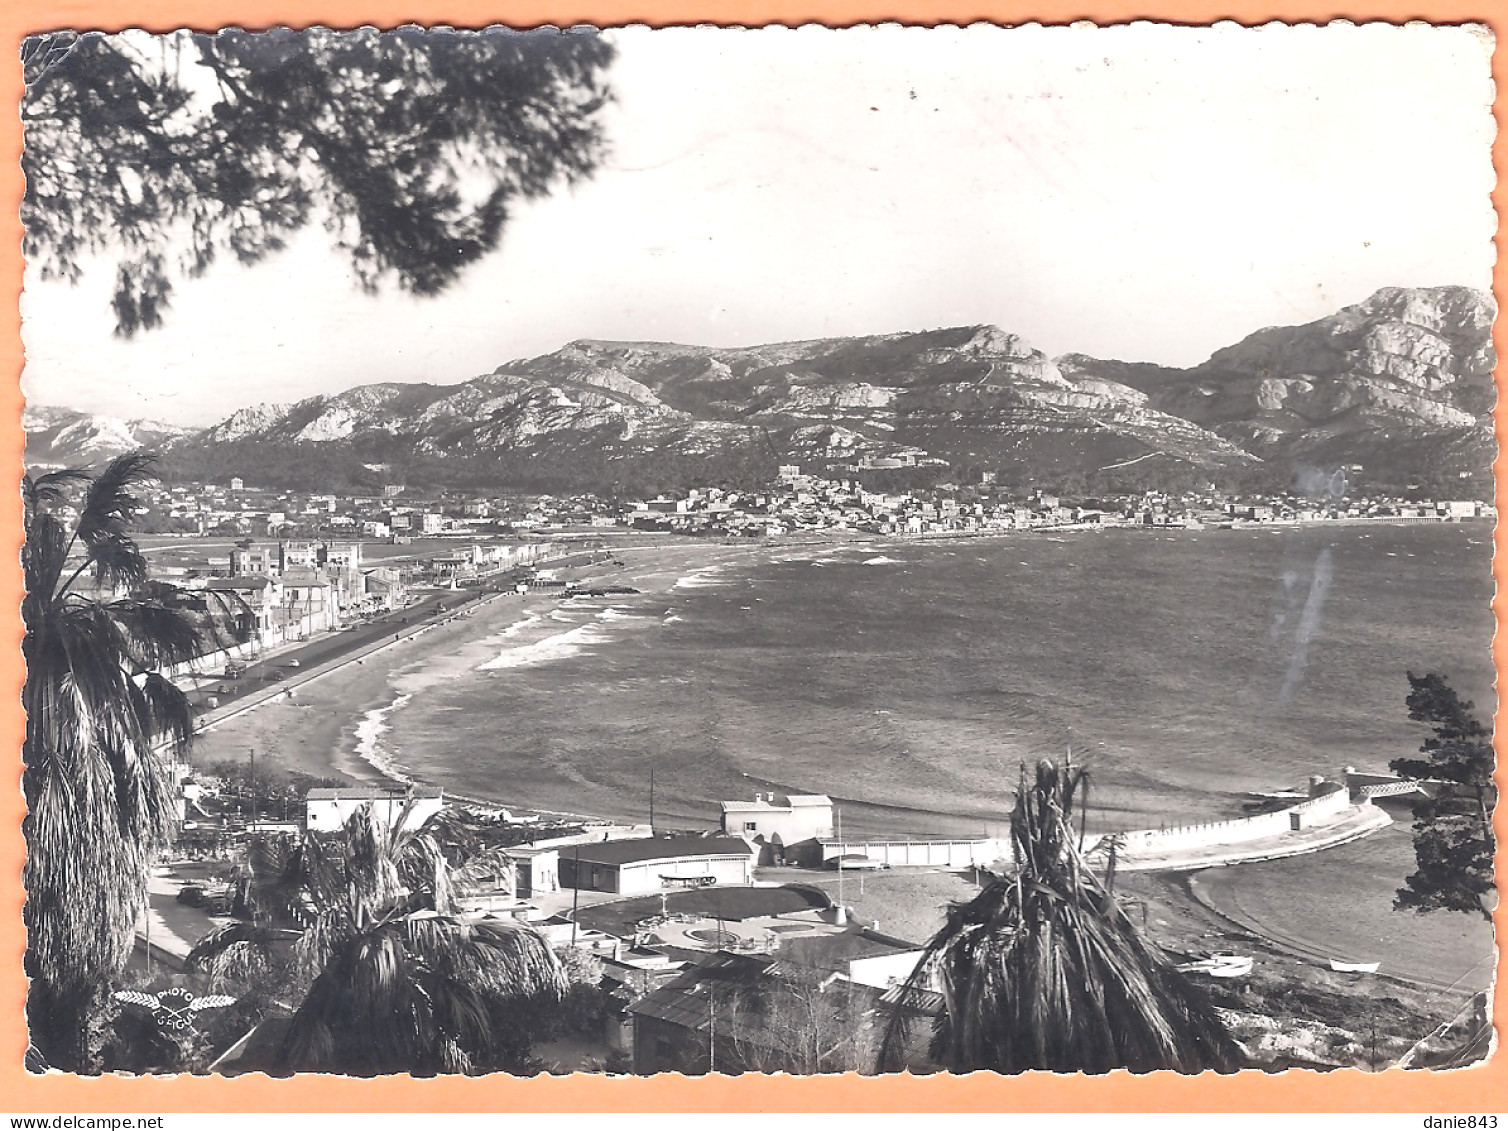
(910, 682)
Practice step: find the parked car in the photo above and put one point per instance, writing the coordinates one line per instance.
(217, 899)
(857, 862)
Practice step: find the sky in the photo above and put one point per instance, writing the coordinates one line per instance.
(1145, 193)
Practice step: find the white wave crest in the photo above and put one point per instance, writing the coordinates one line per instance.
(551, 648)
(616, 615)
(698, 579)
(882, 560)
(369, 732)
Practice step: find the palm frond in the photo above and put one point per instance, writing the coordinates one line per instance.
(157, 634)
(1044, 970)
(104, 522)
(415, 994)
(99, 804)
(51, 489)
(237, 952)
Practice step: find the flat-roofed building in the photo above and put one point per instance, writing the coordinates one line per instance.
(780, 823)
(628, 867)
(327, 809)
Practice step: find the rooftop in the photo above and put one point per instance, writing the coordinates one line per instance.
(762, 805)
(659, 848)
(835, 951)
(237, 583)
(688, 999)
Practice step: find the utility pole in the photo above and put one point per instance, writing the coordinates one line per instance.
(575, 891)
(842, 851)
(651, 800)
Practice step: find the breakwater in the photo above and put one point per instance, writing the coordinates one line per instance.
(1330, 816)
(1308, 814)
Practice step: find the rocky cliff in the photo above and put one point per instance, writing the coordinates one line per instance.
(1401, 383)
(63, 437)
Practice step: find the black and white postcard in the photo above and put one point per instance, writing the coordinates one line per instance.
(759, 551)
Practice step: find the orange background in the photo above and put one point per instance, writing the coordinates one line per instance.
(1482, 1089)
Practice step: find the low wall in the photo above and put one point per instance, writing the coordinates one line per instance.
(1238, 830)
(922, 853)
(212, 664)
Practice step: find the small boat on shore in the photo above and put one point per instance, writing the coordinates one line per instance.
(1354, 967)
(1219, 966)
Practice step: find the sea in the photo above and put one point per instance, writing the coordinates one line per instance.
(912, 683)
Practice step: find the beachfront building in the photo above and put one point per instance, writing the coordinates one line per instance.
(309, 604)
(256, 601)
(779, 825)
(253, 561)
(536, 870)
(327, 809)
(629, 867)
(382, 590)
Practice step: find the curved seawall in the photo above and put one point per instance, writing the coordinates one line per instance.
(1320, 822)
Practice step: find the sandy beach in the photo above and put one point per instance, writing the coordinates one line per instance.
(328, 723)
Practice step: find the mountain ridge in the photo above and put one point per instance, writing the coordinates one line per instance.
(1401, 382)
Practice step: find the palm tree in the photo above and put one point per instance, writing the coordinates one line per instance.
(99, 720)
(1044, 970)
(397, 981)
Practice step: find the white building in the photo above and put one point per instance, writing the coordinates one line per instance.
(779, 823)
(328, 809)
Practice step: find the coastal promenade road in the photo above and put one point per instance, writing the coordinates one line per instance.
(169, 928)
(333, 651)
(276, 666)
(276, 673)
(279, 668)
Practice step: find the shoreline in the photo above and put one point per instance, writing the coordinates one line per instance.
(318, 724)
(322, 728)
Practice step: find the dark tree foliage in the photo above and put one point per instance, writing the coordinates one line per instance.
(166, 152)
(389, 976)
(1453, 841)
(101, 721)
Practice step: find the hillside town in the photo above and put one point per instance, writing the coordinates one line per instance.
(798, 503)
